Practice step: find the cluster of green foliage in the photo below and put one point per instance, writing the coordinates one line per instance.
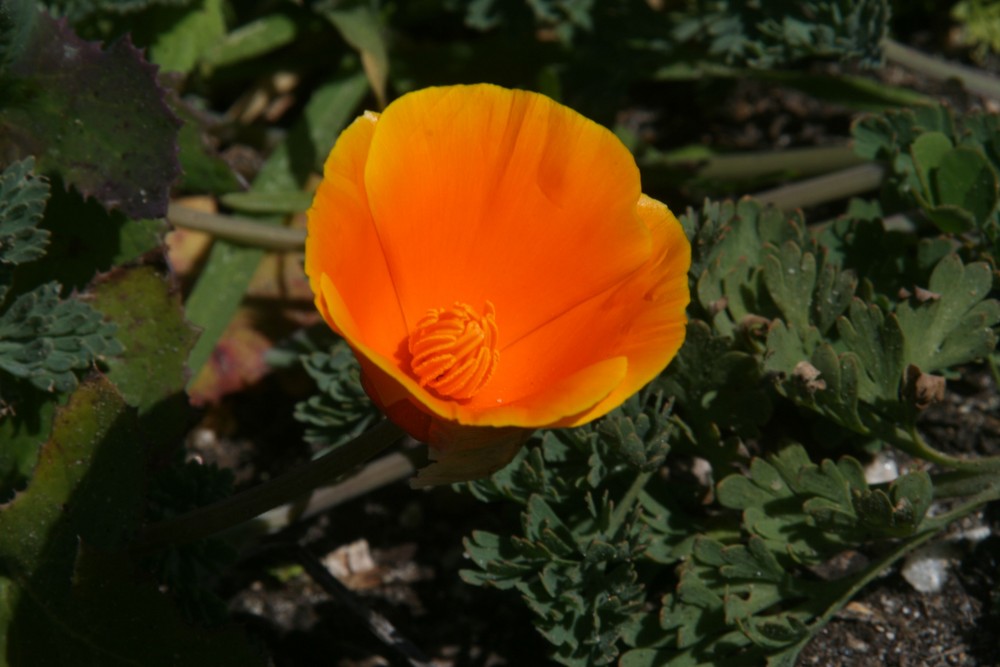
(779, 315)
(683, 529)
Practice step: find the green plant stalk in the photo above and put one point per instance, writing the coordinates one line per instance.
(941, 521)
(994, 370)
(822, 189)
(238, 230)
(381, 472)
(231, 512)
(855, 587)
(974, 80)
(962, 483)
(912, 443)
(802, 161)
(625, 505)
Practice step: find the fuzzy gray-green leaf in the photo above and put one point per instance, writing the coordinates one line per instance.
(43, 338)
(22, 203)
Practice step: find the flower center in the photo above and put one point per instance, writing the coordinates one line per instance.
(454, 350)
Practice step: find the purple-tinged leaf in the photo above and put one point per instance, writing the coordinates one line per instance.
(97, 118)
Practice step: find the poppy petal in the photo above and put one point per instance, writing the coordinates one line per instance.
(642, 319)
(547, 404)
(349, 251)
(485, 194)
(654, 302)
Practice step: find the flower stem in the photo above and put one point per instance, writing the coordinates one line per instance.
(994, 371)
(975, 80)
(238, 230)
(910, 441)
(821, 189)
(799, 162)
(244, 506)
(989, 494)
(625, 505)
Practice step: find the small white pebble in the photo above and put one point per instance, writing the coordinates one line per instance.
(926, 569)
(881, 470)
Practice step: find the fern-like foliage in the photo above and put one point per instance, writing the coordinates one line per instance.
(22, 203)
(750, 598)
(582, 529)
(769, 34)
(43, 337)
(340, 410)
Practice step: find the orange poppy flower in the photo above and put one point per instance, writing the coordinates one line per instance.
(489, 256)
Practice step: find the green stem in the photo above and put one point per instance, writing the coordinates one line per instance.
(962, 483)
(987, 495)
(238, 230)
(747, 166)
(822, 189)
(928, 529)
(625, 505)
(994, 371)
(975, 80)
(873, 571)
(911, 442)
(380, 472)
(244, 506)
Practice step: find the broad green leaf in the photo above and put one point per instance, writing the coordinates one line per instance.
(361, 28)
(331, 108)
(928, 151)
(251, 40)
(834, 290)
(728, 245)
(97, 120)
(954, 326)
(858, 379)
(203, 170)
(746, 599)
(22, 433)
(195, 30)
(22, 202)
(773, 633)
(877, 341)
(965, 179)
(150, 374)
(790, 276)
(948, 165)
(70, 593)
(959, 187)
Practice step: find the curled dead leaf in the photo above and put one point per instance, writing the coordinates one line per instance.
(809, 376)
(922, 389)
